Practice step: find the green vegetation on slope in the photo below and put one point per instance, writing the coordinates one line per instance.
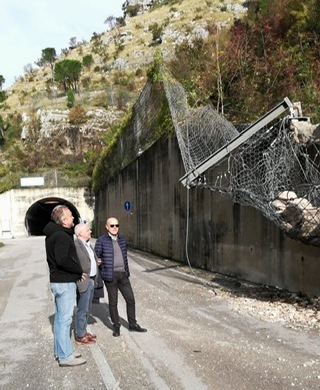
(271, 53)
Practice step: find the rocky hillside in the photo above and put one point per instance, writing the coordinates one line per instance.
(42, 133)
(122, 54)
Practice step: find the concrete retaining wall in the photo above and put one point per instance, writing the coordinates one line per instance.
(152, 207)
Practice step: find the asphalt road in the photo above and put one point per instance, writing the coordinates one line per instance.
(195, 340)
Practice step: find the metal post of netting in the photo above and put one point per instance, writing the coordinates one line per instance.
(217, 156)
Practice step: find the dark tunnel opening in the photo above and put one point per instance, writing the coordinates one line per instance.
(39, 214)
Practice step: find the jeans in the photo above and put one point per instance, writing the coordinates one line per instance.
(84, 301)
(64, 300)
(122, 283)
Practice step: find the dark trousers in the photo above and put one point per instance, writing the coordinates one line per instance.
(122, 283)
(98, 290)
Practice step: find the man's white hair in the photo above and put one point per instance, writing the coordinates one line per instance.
(79, 227)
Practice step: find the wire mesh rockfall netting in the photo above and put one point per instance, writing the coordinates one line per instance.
(141, 131)
(200, 131)
(279, 176)
(275, 171)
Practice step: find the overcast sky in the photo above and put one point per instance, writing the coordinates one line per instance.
(27, 27)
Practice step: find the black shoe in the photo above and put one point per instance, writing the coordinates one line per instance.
(116, 331)
(136, 328)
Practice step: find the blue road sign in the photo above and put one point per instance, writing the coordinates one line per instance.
(127, 205)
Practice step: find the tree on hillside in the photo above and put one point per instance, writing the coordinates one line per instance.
(114, 22)
(1, 130)
(100, 48)
(111, 21)
(87, 61)
(121, 21)
(29, 71)
(67, 73)
(48, 57)
(114, 25)
(132, 10)
(3, 96)
(73, 43)
(2, 81)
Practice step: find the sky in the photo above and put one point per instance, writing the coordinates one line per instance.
(27, 27)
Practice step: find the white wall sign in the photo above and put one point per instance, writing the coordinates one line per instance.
(31, 181)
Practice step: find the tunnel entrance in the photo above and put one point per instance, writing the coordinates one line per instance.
(39, 214)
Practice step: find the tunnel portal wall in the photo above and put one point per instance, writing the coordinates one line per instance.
(14, 205)
(224, 237)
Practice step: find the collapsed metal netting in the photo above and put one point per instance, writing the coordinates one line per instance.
(201, 131)
(276, 170)
(278, 174)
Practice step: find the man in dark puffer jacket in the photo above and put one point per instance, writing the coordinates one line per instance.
(111, 248)
(65, 270)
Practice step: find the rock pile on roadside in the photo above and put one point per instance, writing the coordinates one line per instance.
(271, 304)
(267, 303)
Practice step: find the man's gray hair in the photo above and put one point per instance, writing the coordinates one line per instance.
(58, 212)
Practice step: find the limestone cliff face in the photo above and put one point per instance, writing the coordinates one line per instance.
(68, 138)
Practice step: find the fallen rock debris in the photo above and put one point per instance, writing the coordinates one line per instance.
(297, 213)
(270, 304)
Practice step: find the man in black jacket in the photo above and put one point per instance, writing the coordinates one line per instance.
(65, 270)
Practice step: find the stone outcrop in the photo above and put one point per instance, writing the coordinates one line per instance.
(67, 137)
(145, 5)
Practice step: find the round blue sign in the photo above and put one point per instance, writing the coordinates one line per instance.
(127, 205)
